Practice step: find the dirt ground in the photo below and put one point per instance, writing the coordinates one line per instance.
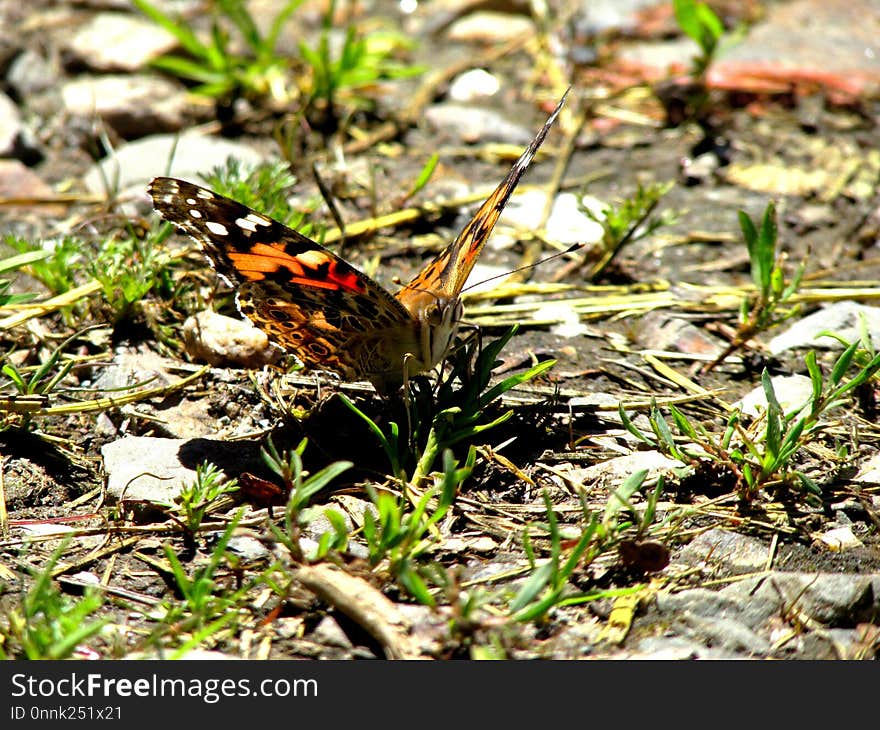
(805, 144)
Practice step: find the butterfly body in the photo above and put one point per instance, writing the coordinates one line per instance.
(318, 306)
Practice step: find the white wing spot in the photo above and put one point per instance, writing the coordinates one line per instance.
(258, 220)
(246, 224)
(205, 194)
(191, 201)
(195, 213)
(218, 229)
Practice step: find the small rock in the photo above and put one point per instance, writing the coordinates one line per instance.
(666, 648)
(738, 553)
(143, 468)
(485, 277)
(134, 106)
(189, 156)
(473, 85)
(219, 340)
(662, 331)
(117, 42)
(328, 632)
(490, 27)
(829, 598)
(839, 539)
(727, 633)
(471, 125)
(317, 523)
(567, 223)
(792, 391)
(16, 140)
(623, 466)
(567, 321)
(842, 318)
(145, 471)
(597, 16)
(699, 170)
(30, 73)
(19, 181)
(869, 471)
(249, 549)
(130, 367)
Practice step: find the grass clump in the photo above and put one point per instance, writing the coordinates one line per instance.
(765, 452)
(47, 624)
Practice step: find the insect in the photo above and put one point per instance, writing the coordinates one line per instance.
(320, 308)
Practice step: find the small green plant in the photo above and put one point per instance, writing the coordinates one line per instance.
(764, 454)
(14, 263)
(265, 188)
(699, 22)
(61, 260)
(48, 624)
(692, 100)
(421, 179)
(206, 607)
(40, 380)
(549, 582)
(197, 497)
(459, 408)
(302, 487)
(219, 71)
(361, 61)
(766, 309)
(398, 531)
(128, 268)
(629, 221)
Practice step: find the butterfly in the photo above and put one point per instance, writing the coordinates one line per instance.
(319, 307)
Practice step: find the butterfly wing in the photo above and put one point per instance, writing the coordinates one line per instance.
(445, 276)
(307, 299)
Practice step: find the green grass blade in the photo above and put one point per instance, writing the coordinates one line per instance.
(176, 27)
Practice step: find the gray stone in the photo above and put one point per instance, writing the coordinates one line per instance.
(738, 553)
(133, 106)
(145, 471)
(792, 392)
(596, 16)
(841, 318)
(473, 85)
(189, 155)
(833, 35)
(869, 472)
(328, 632)
(567, 222)
(143, 468)
(249, 549)
(676, 647)
(833, 599)
(490, 27)
(16, 140)
(117, 42)
(623, 466)
(471, 125)
(130, 367)
(727, 633)
(218, 340)
(661, 331)
(30, 73)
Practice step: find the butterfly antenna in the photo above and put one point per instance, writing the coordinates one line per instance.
(570, 249)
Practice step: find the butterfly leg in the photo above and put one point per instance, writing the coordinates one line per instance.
(407, 401)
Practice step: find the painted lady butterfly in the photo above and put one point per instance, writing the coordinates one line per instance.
(320, 308)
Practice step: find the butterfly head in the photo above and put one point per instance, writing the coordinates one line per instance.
(437, 316)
